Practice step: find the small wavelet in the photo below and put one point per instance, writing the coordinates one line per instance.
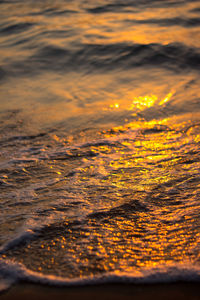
(107, 58)
(15, 28)
(191, 22)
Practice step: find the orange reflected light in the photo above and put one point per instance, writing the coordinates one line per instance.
(147, 101)
(116, 105)
(166, 99)
(142, 102)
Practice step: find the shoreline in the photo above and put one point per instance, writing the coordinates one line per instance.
(164, 291)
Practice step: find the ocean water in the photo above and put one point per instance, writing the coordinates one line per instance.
(99, 141)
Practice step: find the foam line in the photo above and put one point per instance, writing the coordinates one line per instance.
(13, 272)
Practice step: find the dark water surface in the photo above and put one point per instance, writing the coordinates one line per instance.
(99, 141)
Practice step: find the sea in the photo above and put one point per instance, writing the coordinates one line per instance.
(99, 141)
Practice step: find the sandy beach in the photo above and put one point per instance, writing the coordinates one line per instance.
(178, 291)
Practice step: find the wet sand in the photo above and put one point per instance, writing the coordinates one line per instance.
(178, 291)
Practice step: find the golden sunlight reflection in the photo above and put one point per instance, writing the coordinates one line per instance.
(124, 244)
(141, 102)
(100, 135)
(139, 213)
(166, 99)
(116, 105)
(148, 101)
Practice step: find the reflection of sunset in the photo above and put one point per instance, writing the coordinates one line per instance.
(166, 99)
(141, 102)
(99, 135)
(141, 168)
(146, 101)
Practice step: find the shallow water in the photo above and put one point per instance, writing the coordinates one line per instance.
(99, 140)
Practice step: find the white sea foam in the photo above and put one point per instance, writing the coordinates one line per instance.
(12, 272)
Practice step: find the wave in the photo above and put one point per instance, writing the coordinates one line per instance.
(2, 73)
(106, 58)
(183, 22)
(23, 237)
(119, 5)
(15, 28)
(48, 225)
(12, 272)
